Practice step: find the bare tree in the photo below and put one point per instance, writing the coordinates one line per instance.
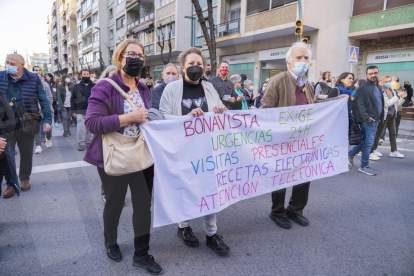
(161, 42)
(210, 33)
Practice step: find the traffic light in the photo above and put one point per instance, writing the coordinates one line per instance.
(299, 27)
(305, 39)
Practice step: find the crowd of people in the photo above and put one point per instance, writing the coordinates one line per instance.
(119, 102)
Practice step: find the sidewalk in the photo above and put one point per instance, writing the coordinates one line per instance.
(406, 129)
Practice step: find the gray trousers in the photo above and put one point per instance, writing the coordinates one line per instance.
(82, 135)
(66, 119)
(210, 224)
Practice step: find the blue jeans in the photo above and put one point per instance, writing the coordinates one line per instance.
(369, 131)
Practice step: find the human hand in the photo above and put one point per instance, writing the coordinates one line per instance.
(256, 96)
(47, 128)
(239, 99)
(402, 94)
(231, 100)
(370, 120)
(74, 115)
(344, 96)
(197, 112)
(139, 116)
(64, 108)
(3, 144)
(220, 108)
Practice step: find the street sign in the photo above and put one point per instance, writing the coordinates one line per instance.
(353, 54)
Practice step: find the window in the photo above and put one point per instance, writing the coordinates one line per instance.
(234, 14)
(256, 6)
(111, 34)
(161, 3)
(96, 36)
(398, 3)
(363, 7)
(166, 30)
(111, 13)
(95, 17)
(95, 56)
(120, 22)
(80, 45)
(200, 30)
(86, 23)
(79, 14)
(146, 38)
(86, 6)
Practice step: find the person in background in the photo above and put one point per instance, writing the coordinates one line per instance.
(64, 94)
(243, 78)
(322, 88)
(49, 79)
(223, 86)
(79, 104)
(409, 100)
(240, 102)
(392, 100)
(108, 111)
(207, 73)
(369, 108)
(169, 74)
(395, 84)
(260, 95)
(191, 96)
(149, 83)
(43, 136)
(343, 86)
(73, 80)
(248, 93)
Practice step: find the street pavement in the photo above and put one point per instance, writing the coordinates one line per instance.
(359, 225)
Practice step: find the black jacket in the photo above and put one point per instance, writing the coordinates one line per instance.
(156, 94)
(80, 97)
(365, 103)
(7, 120)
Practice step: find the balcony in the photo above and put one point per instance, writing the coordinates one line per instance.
(84, 32)
(54, 31)
(55, 68)
(65, 65)
(228, 28)
(65, 50)
(64, 37)
(55, 44)
(71, 14)
(145, 19)
(62, 10)
(55, 57)
(149, 49)
(130, 3)
(87, 48)
(383, 24)
(86, 11)
(54, 7)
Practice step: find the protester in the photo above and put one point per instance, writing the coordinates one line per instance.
(243, 78)
(24, 93)
(105, 116)
(149, 83)
(42, 136)
(64, 94)
(224, 86)
(248, 93)
(49, 79)
(369, 104)
(260, 95)
(240, 102)
(391, 102)
(322, 88)
(207, 73)
(79, 104)
(289, 89)
(343, 85)
(169, 74)
(191, 96)
(409, 100)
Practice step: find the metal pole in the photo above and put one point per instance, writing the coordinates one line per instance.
(299, 37)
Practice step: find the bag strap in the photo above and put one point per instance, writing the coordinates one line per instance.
(122, 92)
(15, 103)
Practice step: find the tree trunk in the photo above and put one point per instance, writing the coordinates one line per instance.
(209, 37)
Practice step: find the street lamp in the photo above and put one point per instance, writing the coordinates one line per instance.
(192, 29)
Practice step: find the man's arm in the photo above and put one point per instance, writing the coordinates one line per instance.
(44, 103)
(360, 100)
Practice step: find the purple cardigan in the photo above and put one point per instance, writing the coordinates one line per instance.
(104, 106)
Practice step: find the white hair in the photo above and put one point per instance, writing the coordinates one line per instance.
(248, 82)
(235, 78)
(295, 46)
(170, 64)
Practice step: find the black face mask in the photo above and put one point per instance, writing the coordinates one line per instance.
(133, 67)
(86, 79)
(194, 73)
(149, 86)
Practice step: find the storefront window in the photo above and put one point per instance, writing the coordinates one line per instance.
(245, 68)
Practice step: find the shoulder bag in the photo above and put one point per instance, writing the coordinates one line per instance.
(124, 154)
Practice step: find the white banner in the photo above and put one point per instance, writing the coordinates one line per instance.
(205, 164)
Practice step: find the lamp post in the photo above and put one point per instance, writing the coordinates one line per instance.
(192, 29)
(101, 62)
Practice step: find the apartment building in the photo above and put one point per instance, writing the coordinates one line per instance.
(39, 59)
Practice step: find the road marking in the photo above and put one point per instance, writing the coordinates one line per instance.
(398, 148)
(59, 166)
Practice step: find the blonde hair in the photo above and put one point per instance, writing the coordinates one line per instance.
(119, 51)
(384, 78)
(182, 58)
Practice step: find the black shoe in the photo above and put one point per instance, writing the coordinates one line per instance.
(282, 222)
(113, 252)
(187, 235)
(299, 219)
(217, 244)
(65, 134)
(148, 263)
(103, 196)
(81, 148)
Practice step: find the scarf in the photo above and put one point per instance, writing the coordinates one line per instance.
(244, 102)
(348, 91)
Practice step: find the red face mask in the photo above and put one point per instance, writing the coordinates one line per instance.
(224, 71)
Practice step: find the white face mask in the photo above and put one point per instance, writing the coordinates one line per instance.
(92, 79)
(67, 80)
(169, 78)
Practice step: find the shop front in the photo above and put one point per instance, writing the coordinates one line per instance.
(158, 72)
(399, 63)
(272, 62)
(241, 64)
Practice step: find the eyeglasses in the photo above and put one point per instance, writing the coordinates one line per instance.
(135, 55)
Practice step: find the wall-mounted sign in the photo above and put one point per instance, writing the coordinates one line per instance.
(238, 59)
(391, 56)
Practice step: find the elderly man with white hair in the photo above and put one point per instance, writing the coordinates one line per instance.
(169, 74)
(289, 89)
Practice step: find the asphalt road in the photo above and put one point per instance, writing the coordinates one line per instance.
(359, 225)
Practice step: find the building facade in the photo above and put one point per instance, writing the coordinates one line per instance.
(40, 59)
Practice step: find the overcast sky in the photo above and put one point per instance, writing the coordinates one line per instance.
(24, 27)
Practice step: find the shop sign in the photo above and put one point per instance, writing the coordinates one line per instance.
(239, 59)
(278, 53)
(391, 56)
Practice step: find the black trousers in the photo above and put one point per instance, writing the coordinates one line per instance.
(140, 184)
(3, 163)
(25, 143)
(297, 203)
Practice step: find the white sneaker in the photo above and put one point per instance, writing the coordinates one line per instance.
(359, 154)
(38, 150)
(48, 143)
(396, 154)
(377, 153)
(380, 142)
(373, 157)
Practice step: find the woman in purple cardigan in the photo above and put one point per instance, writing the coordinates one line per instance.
(108, 112)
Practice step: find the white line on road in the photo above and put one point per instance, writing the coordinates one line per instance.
(399, 149)
(59, 166)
